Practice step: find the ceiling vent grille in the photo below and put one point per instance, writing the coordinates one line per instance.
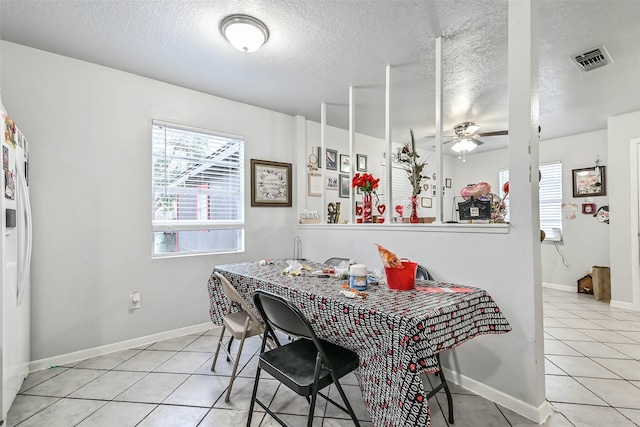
(591, 59)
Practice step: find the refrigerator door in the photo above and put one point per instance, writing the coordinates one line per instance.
(14, 253)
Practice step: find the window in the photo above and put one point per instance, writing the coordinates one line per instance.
(550, 199)
(198, 191)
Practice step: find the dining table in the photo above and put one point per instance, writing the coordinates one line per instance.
(397, 334)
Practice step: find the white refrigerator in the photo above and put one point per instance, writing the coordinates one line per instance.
(15, 255)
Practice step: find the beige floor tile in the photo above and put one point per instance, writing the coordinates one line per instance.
(230, 418)
(551, 369)
(467, 409)
(146, 361)
(559, 347)
(174, 344)
(568, 390)
(593, 416)
(632, 414)
(153, 388)
(596, 349)
(567, 334)
(172, 416)
(25, 406)
(108, 386)
(198, 390)
(121, 414)
(625, 368)
(65, 383)
(64, 413)
(185, 362)
(618, 393)
(37, 377)
(108, 361)
(607, 336)
(580, 366)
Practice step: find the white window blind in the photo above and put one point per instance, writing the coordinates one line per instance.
(550, 194)
(198, 191)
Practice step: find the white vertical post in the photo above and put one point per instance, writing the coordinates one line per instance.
(323, 125)
(352, 134)
(439, 170)
(387, 137)
(523, 172)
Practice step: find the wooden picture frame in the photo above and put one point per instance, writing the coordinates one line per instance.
(587, 183)
(344, 186)
(270, 183)
(314, 184)
(331, 159)
(361, 162)
(345, 164)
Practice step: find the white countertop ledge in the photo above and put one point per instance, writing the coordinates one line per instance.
(434, 227)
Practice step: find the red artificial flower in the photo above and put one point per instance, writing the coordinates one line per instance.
(365, 182)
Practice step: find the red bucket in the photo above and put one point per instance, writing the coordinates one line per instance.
(402, 278)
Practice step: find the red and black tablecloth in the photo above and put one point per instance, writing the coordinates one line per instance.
(395, 333)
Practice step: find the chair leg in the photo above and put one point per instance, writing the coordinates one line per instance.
(346, 402)
(229, 348)
(253, 396)
(236, 361)
(446, 390)
(215, 358)
(312, 407)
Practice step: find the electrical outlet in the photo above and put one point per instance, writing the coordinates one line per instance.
(135, 299)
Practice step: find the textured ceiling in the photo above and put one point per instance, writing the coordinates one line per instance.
(319, 48)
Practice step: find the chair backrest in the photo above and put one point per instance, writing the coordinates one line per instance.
(282, 314)
(232, 294)
(335, 261)
(423, 274)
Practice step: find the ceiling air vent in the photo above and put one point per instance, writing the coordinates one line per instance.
(591, 59)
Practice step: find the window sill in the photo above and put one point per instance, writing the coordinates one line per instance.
(433, 227)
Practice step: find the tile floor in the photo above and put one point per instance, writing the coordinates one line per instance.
(592, 365)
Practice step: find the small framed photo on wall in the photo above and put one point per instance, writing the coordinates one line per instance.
(331, 159)
(345, 165)
(361, 162)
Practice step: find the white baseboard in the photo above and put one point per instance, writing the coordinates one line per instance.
(62, 359)
(566, 288)
(537, 414)
(624, 305)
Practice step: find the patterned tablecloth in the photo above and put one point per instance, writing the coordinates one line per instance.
(396, 334)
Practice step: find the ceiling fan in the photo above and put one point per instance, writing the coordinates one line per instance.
(466, 138)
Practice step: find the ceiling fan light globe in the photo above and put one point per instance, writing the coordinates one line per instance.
(463, 145)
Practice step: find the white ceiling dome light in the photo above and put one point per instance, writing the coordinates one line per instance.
(244, 32)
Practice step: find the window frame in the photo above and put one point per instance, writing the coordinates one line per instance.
(177, 225)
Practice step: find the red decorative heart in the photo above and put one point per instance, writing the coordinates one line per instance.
(399, 209)
(381, 209)
(358, 210)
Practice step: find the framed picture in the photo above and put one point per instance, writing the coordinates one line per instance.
(319, 154)
(447, 182)
(362, 162)
(344, 163)
(589, 182)
(426, 202)
(332, 183)
(589, 208)
(331, 159)
(314, 185)
(344, 186)
(270, 183)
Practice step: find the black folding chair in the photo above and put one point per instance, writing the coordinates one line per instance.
(423, 274)
(306, 365)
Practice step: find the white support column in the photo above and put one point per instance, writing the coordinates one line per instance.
(439, 171)
(323, 125)
(523, 175)
(352, 135)
(387, 137)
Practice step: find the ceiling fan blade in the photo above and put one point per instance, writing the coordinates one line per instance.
(451, 140)
(496, 133)
(477, 141)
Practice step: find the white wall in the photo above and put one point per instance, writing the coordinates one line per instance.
(585, 240)
(623, 196)
(89, 129)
